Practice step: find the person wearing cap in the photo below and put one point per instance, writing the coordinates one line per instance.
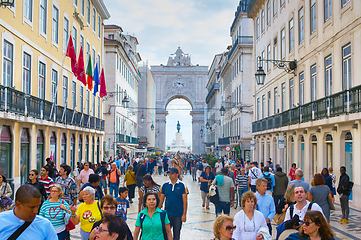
(175, 194)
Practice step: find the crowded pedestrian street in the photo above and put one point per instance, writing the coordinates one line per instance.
(199, 223)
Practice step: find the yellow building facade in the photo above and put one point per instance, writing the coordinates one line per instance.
(35, 74)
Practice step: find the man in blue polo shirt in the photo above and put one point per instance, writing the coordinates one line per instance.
(175, 194)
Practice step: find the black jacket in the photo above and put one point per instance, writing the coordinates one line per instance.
(344, 186)
(40, 187)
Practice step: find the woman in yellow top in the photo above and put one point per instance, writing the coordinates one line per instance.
(87, 213)
(129, 178)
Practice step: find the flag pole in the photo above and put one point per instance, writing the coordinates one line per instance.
(56, 90)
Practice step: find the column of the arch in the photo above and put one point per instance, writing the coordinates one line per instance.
(197, 122)
(161, 127)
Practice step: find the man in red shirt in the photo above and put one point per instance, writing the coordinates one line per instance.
(45, 179)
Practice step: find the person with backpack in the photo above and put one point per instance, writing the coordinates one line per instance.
(199, 170)
(254, 173)
(344, 190)
(270, 180)
(152, 221)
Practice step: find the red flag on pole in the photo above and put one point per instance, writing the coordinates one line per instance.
(81, 69)
(70, 52)
(103, 88)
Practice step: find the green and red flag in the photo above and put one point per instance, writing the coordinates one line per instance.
(89, 73)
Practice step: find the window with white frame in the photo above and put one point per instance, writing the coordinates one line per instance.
(81, 43)
(65, 33)
(283, 43)
(346, 67)
(292, 93)
(283, 96)
(82, 7)
(240, 94)
(263, 57)
(268, 56)
(93, 57)
(98, 107)
(75, 2)
(274, 7)
(275, 104)
(93, 108)
(87, 102)
(269, 103)
(282, 2)
(258, 102)
(88, 12)
(257, 28)
(87, 52)
(98, 60)
(73, 94)
(94, 19)
(290, 35)
(344, 2)
(81, 99)
(328, 75)
(55, 25)
(28, 10)
(65, 91)
(42, 16)
(99, 29)
(263, 105)
(41, 93)
(54, 83)
(240, 58)
(301, 26)
(26, 73)
(75, 38)
(313, 15)
(8, 64)
(327, 9)
(262, 20)
(313, 82)
(268, 12)
(301, 77)
(275, 49)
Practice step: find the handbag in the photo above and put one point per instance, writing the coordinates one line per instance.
(69, 225)
(330, 203)
(213, 195)
(5, 201)
(279, 217)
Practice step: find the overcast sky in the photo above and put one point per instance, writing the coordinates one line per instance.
(199, 27)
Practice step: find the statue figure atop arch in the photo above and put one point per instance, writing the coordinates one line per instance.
(179, 58)
(178, 127)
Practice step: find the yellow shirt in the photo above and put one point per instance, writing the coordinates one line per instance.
(89, 214)
(129, 178)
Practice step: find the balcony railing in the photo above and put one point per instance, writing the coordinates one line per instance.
(241, 40)
(223, 141)
(345, 102)
(15, 101)
(211, 92)
(121, 138)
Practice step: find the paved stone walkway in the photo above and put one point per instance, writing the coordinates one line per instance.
(200, 221)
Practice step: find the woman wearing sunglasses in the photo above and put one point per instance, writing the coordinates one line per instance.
(249, 221)
(314, 227)
(113, 227)
(223, 228)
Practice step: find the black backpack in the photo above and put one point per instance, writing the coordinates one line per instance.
(269, 181)
(200, 166)
(292, 207)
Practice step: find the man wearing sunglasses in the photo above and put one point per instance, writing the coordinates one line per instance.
(299, 209)
(108, 205)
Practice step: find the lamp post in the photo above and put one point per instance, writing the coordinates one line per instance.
(5, 3)
(142, 118)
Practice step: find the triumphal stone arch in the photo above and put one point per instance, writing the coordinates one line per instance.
(180, 79)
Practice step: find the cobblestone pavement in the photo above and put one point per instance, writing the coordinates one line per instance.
(200, 221)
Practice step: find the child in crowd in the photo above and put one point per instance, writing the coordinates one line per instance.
(123, 203)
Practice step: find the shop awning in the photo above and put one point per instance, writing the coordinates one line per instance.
(125, 148)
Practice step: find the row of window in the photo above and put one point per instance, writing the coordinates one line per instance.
(126, 73)
(346, 84)
(233, 73)
(91, 17)
(232, 128)
(8, 70)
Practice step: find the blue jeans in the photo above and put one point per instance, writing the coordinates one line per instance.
(253, 188)
(84, 235)
(62, 235)
(240, 193)
(113, 187)
(223, 206)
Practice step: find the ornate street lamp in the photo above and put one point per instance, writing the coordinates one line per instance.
(207, 125)
(222, 110)
(9, 3)
(152, 127)
(288, 66)
(142, 118)
(125, 100)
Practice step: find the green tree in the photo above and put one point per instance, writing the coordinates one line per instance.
(210, 160)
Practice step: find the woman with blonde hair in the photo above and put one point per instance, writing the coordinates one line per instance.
(314, 227)
(223, 228)
(287, 200)
(57, 211)
(249, 221)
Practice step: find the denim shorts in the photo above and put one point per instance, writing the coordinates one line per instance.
(103, 183)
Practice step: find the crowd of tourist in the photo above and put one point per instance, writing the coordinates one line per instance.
(48, 204)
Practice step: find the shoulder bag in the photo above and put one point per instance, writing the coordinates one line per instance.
(6, 201)
(330, 203)
(19, 231)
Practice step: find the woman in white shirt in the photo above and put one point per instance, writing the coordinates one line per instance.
(248, 221)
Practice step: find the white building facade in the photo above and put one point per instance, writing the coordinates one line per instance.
(316, 110)
(123, 76)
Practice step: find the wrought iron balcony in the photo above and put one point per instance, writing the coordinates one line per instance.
(223, 141)
(15, 101)
(121, 138)
(212, 91)
(241, 40)
(345, 102)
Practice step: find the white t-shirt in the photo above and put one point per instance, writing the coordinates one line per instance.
(218, 166)
(254, 173)
(301, 213)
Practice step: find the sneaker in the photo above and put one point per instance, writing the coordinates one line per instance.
(207, 208)
(130, 201)
(345, 221)
(203, 205)
(341, 220)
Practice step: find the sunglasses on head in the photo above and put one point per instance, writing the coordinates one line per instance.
(229, 228)
(306, 223)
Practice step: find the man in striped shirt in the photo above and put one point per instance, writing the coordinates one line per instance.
(45, 179)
